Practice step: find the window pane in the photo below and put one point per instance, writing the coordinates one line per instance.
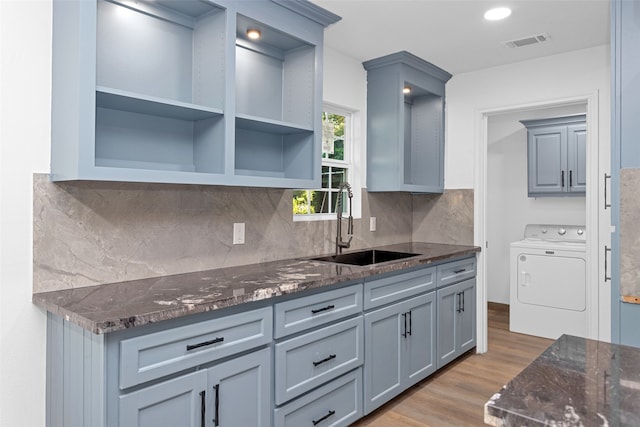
(326, 171)
(301, 204)
(338, 176)
(333, 136)
(321, 202)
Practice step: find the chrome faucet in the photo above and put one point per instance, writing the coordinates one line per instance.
(340, 244)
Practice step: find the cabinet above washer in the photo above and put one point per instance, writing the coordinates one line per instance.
(556, 156)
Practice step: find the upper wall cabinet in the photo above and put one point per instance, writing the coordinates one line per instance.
(556, 156)
(177, 92)
(405, 124)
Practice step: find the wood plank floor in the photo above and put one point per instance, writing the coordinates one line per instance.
(455, 396)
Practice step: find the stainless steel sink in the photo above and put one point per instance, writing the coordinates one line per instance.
(365, 257)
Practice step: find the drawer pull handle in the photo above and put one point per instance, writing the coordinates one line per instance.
(203, 407)
(216, 406)
(326, 359)
(205, 343)
(459, 271)
(319, 420)
(320, 310)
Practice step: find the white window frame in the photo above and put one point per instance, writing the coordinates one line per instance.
(352, 132)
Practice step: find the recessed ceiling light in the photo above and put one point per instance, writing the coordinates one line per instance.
(497, 13)
(254, 33)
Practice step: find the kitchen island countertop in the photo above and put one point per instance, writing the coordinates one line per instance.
(575, 382)
(116, 306)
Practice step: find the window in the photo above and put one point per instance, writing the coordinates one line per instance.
(337, 155)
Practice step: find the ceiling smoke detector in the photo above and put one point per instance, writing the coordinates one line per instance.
(525, 41)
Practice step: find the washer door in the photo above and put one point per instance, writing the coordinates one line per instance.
(552, 281)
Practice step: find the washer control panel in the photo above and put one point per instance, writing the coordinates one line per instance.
(555, 232)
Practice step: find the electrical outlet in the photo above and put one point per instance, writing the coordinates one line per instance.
(238, 233)
(372, 223)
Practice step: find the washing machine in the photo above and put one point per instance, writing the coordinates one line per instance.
(548, 287)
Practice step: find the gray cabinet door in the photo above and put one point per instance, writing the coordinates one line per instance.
(466, 317)
(420, 342)
(382, 353)
(399, 348)
(239, 392)
(456, 320)
(547, 158)
(577, 158)
(177, 402)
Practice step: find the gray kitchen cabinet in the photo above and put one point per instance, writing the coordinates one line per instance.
(625, 160)
(556, 156)
(405, 130)
(233, 393)
(456, 320)
(399, 348)
(175, 92)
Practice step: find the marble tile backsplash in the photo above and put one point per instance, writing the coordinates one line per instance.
(629, 233)
(89, 233)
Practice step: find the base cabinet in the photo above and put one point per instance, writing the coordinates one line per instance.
(399, 348)
(234, 393)
(456, 320)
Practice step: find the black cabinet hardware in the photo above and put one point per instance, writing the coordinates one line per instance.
(203, 407)
(562, 179)
(216, 405)
(326, 359)
(459, 271)
(404, 330)
(607, 278)
(459, 302)
(570, 178)
(319, 420)
(410, 327)
(606, 177)
(462, 294)
(319, 310)
(205, 343)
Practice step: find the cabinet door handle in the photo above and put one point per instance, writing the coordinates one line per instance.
(410, 326)
(570, 178)
(459, 271)
(321, 419)
(562, 179)
(459, 307)
(404, 330)
(320, 310)
(216, 405)
(462, 295)
(326, 359)
(607, 278)
(204, 344)
(606, 177)
(203, 407)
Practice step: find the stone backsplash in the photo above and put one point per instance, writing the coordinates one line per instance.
(89, 233)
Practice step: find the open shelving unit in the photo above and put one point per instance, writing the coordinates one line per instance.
(173, 91)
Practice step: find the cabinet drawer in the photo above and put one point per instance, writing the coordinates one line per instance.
(309, 360)
(393, 288)
(155, 355)
(456, 271)
(316, 310)
(338, 403)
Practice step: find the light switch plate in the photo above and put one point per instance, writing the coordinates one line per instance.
(238, 233)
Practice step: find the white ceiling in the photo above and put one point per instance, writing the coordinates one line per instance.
(453, 34)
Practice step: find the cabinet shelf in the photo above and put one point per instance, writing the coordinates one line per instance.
(115, 99)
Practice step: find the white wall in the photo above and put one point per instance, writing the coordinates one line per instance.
(25, 64)
(509, 208)
(554, 77)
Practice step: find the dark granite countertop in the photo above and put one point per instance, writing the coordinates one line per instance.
(115, 306)
(575, 382)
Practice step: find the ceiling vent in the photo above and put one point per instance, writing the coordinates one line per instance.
(525, 41)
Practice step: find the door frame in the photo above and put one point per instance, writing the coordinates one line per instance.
(596, 307)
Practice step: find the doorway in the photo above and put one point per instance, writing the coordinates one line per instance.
(502, 207)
